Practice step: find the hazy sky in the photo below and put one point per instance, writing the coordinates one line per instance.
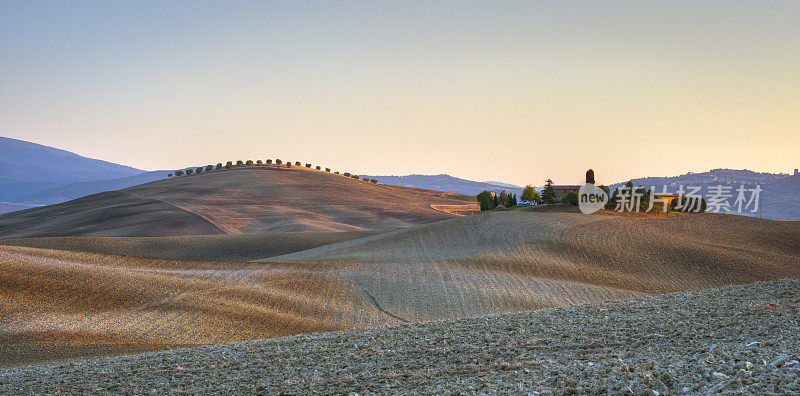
(509, 91)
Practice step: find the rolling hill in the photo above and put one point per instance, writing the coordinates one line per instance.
(61, 303)
(30, 167)
(253, 199)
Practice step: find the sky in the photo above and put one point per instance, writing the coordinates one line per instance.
(508, 91)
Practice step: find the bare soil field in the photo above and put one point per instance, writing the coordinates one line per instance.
(247, 200)
(57, 303)
(227, 247)
(734, 340)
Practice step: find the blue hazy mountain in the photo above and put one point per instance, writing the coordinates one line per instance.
(446, 183)
(30, 167)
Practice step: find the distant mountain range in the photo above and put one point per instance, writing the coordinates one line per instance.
(30, 167)
(779, 198)
(446, 183)
(35, 175)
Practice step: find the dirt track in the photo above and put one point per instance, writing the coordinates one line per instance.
(739, 339)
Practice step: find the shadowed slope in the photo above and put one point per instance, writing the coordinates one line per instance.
(228, 247)
(115, 213)
(243, 200)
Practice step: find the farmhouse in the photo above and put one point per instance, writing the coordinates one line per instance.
(562, 191)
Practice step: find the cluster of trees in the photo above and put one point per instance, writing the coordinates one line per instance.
(489, 200)
(288, 164)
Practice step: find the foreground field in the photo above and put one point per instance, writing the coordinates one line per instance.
(738, 339)
(59, 303)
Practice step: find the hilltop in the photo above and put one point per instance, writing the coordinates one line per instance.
(738, 339)
(240, 200)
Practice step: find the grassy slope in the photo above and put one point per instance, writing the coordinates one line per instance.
(250, 200)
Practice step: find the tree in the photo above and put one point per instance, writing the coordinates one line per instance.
(347, 174)
(209, 168)
(495, 201)
(336, 173)
(308, 165)
(486, 200)
(259, 162)
(354, 176)
(198, 170)
(513, 200)
(327, 169)
(374, 181)
(590, 176)
(269, 161)
(169, 175)
(288, 164)
(249, 162)
(228, 165)
(529, 194)
(549, 193)
(219, 166)
(189, 171)
(239, 163)
(318, 167)
(178, 173)
(297, 163)
(277, 161)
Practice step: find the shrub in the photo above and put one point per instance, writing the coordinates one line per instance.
(219, 166)
(269, 161)
(259, 162)
(373, 181)
(209, 168)
(336, 173)
(288, 164)
(354, 176)
(200, 169)
(239, 163)
(277, 161)
(178, 173)
(297, 163)
(327, 169)
(318, 167)
(228, 165)
(347, 174)
(365, 178)
(249, 162)
(308, 165)
(169, 175)
(189, 171)
(570, 199)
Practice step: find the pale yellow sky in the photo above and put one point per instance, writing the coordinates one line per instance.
(516, 92)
